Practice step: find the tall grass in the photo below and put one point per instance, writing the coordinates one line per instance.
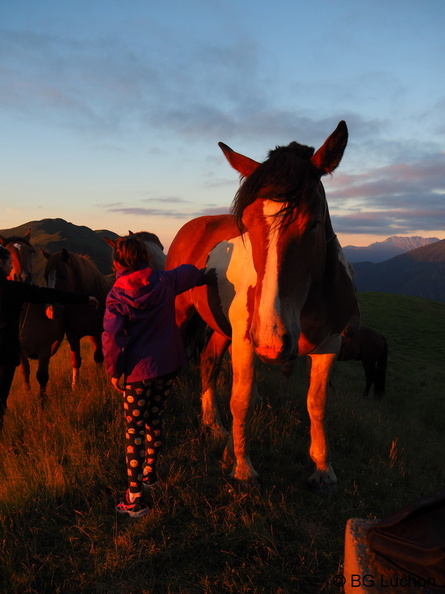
(62, 469)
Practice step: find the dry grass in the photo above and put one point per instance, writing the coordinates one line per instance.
(62, 469)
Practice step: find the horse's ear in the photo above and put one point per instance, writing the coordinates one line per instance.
(65, 255)
(28, 235)
(328, 157)
(45, 254)
(242, 164)
(130, 232)
(110, 242)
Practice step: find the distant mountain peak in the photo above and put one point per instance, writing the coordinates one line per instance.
(408, 243)
(380, 251)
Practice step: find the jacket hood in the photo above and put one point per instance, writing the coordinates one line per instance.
(138, 288)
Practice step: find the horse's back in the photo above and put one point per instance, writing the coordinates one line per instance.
(195, 239)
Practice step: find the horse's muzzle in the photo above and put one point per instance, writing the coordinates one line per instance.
(283, 351)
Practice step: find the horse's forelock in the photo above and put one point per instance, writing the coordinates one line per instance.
(286, 176)
(300, 151)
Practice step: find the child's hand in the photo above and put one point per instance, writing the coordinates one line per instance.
(115, 383)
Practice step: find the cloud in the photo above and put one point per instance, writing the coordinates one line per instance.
(211, 91)
(400, 197)
(168, 199)
(167, 213)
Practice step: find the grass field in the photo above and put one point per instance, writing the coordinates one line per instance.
(62, 470)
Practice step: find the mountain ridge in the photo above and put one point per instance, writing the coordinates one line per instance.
(54, 234)
(380, 251)
(418, 273)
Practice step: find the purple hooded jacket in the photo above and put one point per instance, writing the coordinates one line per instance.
(141, 340)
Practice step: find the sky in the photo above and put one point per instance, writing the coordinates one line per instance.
(111, 110)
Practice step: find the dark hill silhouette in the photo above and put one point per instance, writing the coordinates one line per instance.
(417, 273)
(55, 234)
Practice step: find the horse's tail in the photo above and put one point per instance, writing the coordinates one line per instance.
(380, 372)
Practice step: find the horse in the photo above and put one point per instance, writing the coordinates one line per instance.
(153, 245)
(21, 252)
(279, 287)
(77, 273)
(40, 337)
(371, 348)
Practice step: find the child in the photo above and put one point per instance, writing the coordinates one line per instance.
(13, 296)
(143, 345)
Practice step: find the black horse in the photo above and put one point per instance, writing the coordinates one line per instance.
(371, 348)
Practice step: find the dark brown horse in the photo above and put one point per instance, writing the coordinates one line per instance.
(40, 336)
(22, 253)
(369, 347)
(77, 273)
(281, 287)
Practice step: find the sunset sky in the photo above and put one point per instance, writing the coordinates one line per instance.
(111, 111)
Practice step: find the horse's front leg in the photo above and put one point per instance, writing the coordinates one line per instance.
(42, 376)
(96, 341)
(24, 365)
(324, 477)
(76, 361)
(241, 406)
(210, 363)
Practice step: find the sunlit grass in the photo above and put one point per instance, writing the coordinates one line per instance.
(62, 469)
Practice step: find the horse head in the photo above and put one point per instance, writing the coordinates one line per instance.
(60, 270)
(153, 246)
(22, 253)
(282, 212)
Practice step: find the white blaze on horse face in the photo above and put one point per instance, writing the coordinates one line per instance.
(272, 335)
(51, 282)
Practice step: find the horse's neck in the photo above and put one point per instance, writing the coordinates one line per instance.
(158, 257)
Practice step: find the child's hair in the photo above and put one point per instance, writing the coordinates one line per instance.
(131, 253)
(4, 253)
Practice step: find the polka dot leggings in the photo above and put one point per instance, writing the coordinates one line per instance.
(144, 403)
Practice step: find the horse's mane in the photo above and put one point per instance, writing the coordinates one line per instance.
(286, 176)
(149, 237)
(154, 247)
(89, 279)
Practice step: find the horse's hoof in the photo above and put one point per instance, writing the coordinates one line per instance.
(322, 489)
(322, 483)
(243, 485)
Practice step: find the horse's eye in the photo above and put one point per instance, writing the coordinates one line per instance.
(313, 225)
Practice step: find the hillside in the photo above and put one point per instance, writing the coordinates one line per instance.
(418, 273)
(55, 234)
(384, 250)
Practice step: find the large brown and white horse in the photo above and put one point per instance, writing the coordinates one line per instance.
(281, 287)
